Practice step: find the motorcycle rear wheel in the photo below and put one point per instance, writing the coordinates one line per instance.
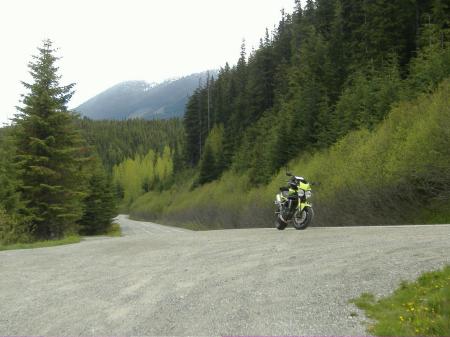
(302, 219)
(279, 223)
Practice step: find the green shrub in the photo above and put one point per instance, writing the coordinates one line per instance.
(13, 229)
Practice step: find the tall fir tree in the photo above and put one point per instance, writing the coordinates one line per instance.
(207, 169)
(50, 151)
(99, 203)
(12, 227)
(8, 178)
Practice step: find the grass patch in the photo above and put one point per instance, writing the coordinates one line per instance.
(41, 244)
(420, 308)
(115, 230)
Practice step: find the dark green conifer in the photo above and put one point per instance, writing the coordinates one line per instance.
(8, 179)
(207, 166)
(99, 204)
(50, 151)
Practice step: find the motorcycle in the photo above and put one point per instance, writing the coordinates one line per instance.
(292, 204)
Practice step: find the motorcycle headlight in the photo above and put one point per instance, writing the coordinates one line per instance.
(301, 193)
(308, 194)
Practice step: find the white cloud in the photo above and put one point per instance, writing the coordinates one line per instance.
(106, 42)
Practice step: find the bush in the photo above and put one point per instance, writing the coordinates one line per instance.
(12, 229)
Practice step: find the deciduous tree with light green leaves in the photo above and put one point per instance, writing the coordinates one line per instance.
(143, 173)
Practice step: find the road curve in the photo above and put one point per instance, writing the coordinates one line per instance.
(159, 280)
(132, 227)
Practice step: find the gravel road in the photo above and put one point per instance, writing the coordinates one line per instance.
(158, 280)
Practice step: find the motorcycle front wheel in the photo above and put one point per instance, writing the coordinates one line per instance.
(302, 219)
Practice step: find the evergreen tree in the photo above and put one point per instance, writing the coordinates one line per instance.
(193, 129)
(50, 151)
(99, 203)
(389, 27)
(441, 14)
(365, 102)
(338, 55)
(9, 198)
(12, 227)
(178, 164)
(207, 166)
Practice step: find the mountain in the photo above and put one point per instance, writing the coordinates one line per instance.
(140, 99)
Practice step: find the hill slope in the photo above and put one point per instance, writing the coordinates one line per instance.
(139, 99)
(398, 173)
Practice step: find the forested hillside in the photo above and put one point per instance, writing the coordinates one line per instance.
(313, 96)
(139, 155)
(328, 68)
(116, 141)
(398, 173)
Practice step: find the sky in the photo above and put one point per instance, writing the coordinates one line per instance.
(104, 42)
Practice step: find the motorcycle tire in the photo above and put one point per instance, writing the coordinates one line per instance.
(309, 214)
(280, 224)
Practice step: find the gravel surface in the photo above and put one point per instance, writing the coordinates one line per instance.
(158, 280)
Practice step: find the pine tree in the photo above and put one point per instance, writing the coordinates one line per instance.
(338, 55)
(207, 166)
(50, 151)
(12, 227)
(389, 27)
(8, 180)
(193, 130)
(99, 204)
